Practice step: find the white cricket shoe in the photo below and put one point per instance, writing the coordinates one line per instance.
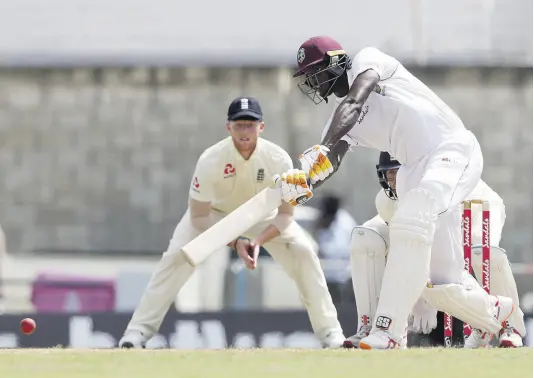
(133, 340)
(380, 340)
(333, 340)
(510, 338)
(354, 340)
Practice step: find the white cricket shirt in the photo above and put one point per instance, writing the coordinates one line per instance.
(402, 116)
(224, 178)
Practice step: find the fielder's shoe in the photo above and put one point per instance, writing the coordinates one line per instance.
(504, 307)
(333, 340)
(132, 339)
(510, 338)
(379, 340)
(354, 341)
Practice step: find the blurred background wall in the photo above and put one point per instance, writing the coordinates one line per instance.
(105, 106)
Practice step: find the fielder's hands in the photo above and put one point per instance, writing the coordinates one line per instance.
(316, 163)
(424, 318)
(295, 188)
(249, 251)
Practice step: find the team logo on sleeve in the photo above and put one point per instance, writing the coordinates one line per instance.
(229, 170)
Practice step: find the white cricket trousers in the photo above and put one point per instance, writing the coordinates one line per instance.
(292, 250)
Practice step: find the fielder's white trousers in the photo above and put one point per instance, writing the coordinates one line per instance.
(292, 250)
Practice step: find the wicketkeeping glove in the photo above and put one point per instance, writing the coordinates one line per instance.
(423, 317)
(316, 163)
(295, 188)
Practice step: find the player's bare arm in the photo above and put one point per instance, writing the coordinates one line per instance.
(321, 161)
(200, 213)
(347, 113)
(249, 250)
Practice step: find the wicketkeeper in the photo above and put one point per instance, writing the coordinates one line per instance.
(369, 250)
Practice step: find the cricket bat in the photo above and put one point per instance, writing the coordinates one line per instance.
(233, 225)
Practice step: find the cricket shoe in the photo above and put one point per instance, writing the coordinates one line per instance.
(379, 340)
(510, 338)
(478, 339)
(354, 341)
(504, 307)
(333, 340)
(133, 340)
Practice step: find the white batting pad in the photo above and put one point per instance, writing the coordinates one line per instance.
(408, 267)
(368, 261)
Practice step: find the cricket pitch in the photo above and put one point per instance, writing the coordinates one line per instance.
(261, 363)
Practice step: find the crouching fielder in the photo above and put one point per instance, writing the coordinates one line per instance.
(227, 175)
(369, 249)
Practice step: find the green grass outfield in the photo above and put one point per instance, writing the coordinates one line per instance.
(259, 363)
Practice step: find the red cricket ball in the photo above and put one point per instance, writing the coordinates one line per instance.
(27, 326)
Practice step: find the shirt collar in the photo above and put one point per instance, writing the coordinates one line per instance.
(255, 153)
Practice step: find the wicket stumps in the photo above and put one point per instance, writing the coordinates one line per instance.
(467, 245)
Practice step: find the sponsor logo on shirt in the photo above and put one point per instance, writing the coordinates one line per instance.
(195, 185)
(364, 112)
(229, 170)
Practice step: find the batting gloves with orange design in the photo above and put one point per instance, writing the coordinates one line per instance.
(295, 188)
(316, 163)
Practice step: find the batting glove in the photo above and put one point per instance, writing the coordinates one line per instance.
(295, 188)
(316, 163)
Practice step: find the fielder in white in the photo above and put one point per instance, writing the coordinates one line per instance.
(383, 106)
(369, 250)
(228, 174)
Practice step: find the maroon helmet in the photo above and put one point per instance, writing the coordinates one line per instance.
(322, 60)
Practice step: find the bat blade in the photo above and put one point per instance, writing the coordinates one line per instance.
(233, 225)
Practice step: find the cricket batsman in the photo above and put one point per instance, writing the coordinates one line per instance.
(381, 105)
(369, 251)
(227, 175)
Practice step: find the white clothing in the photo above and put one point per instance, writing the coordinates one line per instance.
(385, 207)
(502, 283)
(403, 116)
(223, 178)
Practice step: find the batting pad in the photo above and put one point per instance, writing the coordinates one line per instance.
(368, 261)
(471, 306)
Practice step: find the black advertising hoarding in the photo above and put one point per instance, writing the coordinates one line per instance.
(246, 329)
